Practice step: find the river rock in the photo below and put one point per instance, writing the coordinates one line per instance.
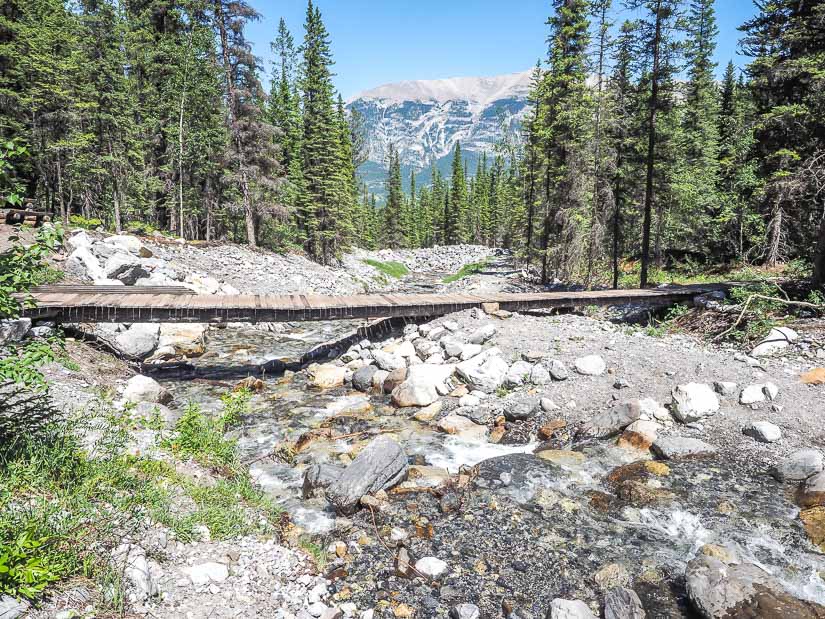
(799, 466)
(465, 611)
(623, 603)
(812, 492)
(380, 465)
(188, 339)
(717, 590)
(640, 435)
(776, 341)
(326, 376)
(469, 351)
(539, 375)
(128, 243)
(517, 374)
(139, 340)
(693, 402)
(428, 413)
(676, 447)
(394, 379)
(452, 347)
(145, 389)
(484, 372)
(388, 361)
(13, 330)
(610, 422)
(431, 567)
(753, 394)
(591, 365)
(378, 380)
(569, 609)
(652, 410)
(813, 519)
(463, 428)
(125, 268)
(482, 335)
(362, 378)
(421, 386)
(520, 410)
(763, 431)
(557, 369)
(319, 477)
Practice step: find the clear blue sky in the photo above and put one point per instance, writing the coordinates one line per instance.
(379, 41)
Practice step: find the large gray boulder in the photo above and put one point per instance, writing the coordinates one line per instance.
(139, 340)
(484, 372)
(717, 589)
(319, 477)
(388, 361)
(422, 385)
(125, 268)
(11, 608)
(381, 465)
(591, 365)
(517, 374)
(612, 421)
(482, 334)
(82, 264)
(799, 466)
(13, 330)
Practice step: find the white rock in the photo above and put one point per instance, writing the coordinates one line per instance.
(388, 361)
(570, 609)
(651, 409)
(763, 431)
(799, 466)
(468, 401)
(777, 340)
(517, 374)
(484, 372)
(79, 239)
(469, 351)
(539, 375)
(482, 334)
(206, 573)
(771, 391)
(130, 560)
(431, 567)
(83, 264)
(145, 389)
(126, 242)
(423, 385)
(548, 405)
(591, 365)
(693, 402)
(139, 340)
(724, 388)
(14, 330)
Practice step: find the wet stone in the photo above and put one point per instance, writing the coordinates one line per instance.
(623, 603)
(676, 447)
(799, 466)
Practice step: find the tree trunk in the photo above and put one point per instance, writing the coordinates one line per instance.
(64, 216)
(651, 146)
(819, 256)
(775, 242)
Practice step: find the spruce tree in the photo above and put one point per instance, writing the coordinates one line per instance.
(456, 211)
(394, 237)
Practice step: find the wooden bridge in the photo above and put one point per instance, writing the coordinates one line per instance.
(89, 304)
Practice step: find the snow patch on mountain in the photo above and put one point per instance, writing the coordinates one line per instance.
(425, 118)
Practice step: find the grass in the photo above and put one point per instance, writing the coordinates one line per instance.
(65, 504)
(390, 268)
(468, 269)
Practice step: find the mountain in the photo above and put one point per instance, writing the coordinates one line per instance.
(425, 119)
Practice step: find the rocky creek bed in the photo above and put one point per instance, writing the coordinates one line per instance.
(503, 465)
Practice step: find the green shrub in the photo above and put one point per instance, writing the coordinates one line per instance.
(78, 221)
(202, 438)
(391, 268)
(26, 569)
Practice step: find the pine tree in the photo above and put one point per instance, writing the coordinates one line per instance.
(394, 237)
(455, 210)
(564, 116)
(657, 37)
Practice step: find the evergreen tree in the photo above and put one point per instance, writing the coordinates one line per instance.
(455, 210)
(394, 233)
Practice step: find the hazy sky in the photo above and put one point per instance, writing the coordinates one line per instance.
(379, 41)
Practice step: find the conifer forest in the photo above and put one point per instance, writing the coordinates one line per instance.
(154, 115)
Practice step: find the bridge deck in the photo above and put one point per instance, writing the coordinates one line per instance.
(127, 304)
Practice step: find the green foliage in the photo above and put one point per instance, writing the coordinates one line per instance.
(235, 406)
(25, 570)
(468, 269)
(315, 550)
(11, 187)
(202, 437)
(78, 221)
(390, 268)
(23, 266)
(22, 367)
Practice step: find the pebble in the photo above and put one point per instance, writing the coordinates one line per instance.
(763, 431)
(431, 567)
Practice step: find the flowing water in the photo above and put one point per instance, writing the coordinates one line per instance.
(764, 527)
